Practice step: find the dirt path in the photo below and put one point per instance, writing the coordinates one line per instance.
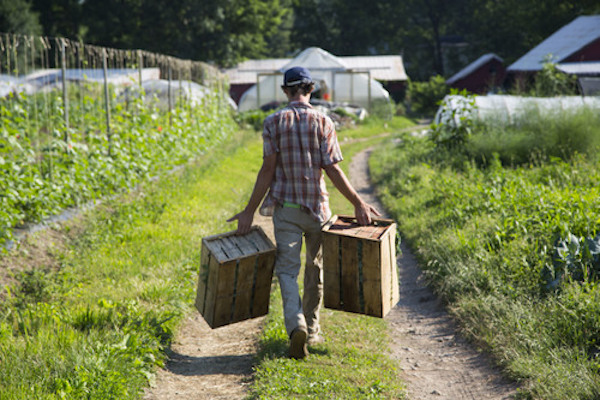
(436, 363)
(210, 364)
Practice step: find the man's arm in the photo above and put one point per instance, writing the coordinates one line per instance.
(362, 210)
(263, 182)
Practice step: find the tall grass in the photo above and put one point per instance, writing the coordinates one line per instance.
(484, 232)
(532, 134)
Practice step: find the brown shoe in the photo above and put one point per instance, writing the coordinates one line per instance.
(298, 348)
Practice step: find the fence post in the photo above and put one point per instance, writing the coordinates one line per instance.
(140, 66)
(63, 61)
(106, 99)
(170, 94)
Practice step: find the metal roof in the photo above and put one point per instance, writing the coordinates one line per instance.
(382, 68)
(581, 68)
(466, 71)
(561, 44)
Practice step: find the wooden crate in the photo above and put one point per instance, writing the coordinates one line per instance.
(235, 277)
(359, 263)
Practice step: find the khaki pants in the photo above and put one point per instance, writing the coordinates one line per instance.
(290, 225)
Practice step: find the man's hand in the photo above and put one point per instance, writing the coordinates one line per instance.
(363, 213)
(362, 210)
(244, 219)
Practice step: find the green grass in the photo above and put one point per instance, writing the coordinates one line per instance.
(484, 237)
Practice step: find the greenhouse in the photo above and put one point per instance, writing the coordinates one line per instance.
(507, 108)
(334, 80)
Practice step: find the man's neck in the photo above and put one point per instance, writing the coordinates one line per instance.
(303, 98)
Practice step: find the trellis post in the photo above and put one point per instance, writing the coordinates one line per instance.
(107, 100)
(169, 92)
(63, 62)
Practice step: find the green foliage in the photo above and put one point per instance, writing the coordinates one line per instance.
(41, 173)
(216, 31)
(551, 82)
(548, 82)
(252, 119)
(455, 124)
(487, 240)
(382, 109)
(226, 32)
(423, 97)
(16, 16)
(574, 258)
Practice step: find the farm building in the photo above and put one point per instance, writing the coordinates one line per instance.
(388, 71)
(482, 75)
(575, 43)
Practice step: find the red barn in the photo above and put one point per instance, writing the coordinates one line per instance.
(481, 76)
(576, 42)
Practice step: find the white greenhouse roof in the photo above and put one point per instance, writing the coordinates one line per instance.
(561, 44)
(473, 67)
(581, 68)
(382, 68)
(247, 71)
(508, 108)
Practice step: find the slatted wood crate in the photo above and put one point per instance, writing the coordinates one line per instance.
(359, 264)
(235, 277)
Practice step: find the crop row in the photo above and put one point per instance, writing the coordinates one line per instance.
(46, 166)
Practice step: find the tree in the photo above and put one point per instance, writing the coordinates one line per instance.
(16, 16)
(59, 18)
(221, 31)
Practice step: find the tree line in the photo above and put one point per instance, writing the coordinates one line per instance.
(433, 36)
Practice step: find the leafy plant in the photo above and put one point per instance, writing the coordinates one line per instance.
(42, 171)
(454, 120)
(574, 258)
(550, 81)
(423, 97)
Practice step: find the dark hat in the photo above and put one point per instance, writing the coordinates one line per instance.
(295, 76)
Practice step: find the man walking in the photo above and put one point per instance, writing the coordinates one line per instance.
(299, 144)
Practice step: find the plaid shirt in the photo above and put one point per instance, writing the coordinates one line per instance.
(305, 141)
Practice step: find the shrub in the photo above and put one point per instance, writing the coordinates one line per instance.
(423, 97)
(252, 119)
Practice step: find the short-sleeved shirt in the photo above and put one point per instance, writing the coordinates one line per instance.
(305, 141)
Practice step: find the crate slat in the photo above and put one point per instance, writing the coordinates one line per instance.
(243, 290)
(372, 279)
(262, 287)
(331, 255)
(350, 284)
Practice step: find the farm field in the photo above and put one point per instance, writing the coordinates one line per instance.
(94, 316)
(505, 223)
